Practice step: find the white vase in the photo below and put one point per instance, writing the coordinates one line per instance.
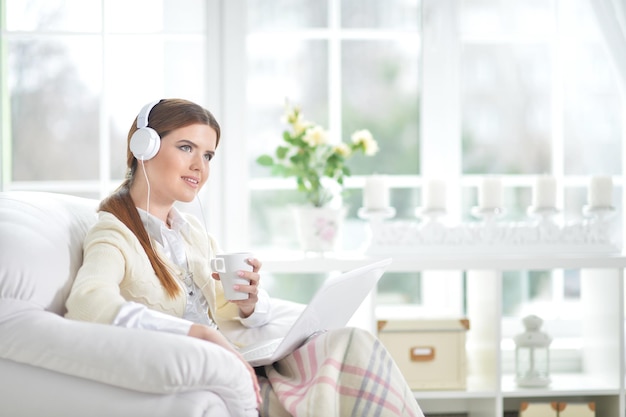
(319, 228)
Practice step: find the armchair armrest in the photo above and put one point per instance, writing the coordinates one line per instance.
(145, 361)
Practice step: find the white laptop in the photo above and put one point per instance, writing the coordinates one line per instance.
(331, 307)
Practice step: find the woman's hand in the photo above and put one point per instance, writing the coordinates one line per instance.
(203, 332)
(246, 307)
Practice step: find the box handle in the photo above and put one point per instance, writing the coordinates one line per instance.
(422, 353)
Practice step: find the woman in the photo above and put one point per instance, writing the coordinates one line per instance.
(146, 266)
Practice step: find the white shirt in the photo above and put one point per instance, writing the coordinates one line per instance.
(136, 315)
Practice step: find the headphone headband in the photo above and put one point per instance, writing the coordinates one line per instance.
(142, 118)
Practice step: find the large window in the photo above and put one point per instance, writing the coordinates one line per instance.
(452, 89)
(74, 75)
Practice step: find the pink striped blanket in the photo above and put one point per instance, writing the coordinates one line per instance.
(345, 372)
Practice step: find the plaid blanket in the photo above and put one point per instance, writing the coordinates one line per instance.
(345, 372)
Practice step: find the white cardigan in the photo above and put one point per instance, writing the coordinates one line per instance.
(116, 270)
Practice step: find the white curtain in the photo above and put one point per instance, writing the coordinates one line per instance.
(611, 16)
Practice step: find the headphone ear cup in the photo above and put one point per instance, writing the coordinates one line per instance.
(145, 143)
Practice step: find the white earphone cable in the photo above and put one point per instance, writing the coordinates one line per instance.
(145, 174)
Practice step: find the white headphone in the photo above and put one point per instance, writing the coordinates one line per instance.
(145, 142)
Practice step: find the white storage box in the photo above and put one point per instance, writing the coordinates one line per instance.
(539, 409)
(430, 353)
(577, 409)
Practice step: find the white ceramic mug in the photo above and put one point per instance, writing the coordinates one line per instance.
(227, 265)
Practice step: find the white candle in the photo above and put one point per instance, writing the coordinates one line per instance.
(434, 195)
(600, 192)
(376, 193)
(490, 193)
(544, 192)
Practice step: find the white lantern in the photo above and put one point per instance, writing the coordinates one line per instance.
(532, 355)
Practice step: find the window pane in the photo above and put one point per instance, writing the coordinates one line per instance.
(405, 201)
(399, 288)
(516, 201)
(552, 294)
(527, 291)
(284, 69)
(593, 122)
(571, 284)
(54, 15)
(298, 288)
(388, 107)
(392, 14)
(506, 109)
(593, 118)
(575, 198)
(287, 14)
(273, 223)
(54, 87)
(145, 16)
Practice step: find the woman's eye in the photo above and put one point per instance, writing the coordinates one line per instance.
(185, 148)
(208, 156)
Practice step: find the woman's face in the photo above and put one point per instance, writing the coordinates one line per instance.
(181, 167)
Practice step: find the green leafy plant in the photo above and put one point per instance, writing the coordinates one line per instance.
(308, 155)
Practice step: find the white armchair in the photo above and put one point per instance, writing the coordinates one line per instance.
(51, 366)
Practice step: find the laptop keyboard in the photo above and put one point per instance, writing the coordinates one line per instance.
(261, 349)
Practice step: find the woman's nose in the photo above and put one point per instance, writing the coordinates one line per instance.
(198, 163)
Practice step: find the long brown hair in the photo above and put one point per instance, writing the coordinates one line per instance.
(167, 115)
